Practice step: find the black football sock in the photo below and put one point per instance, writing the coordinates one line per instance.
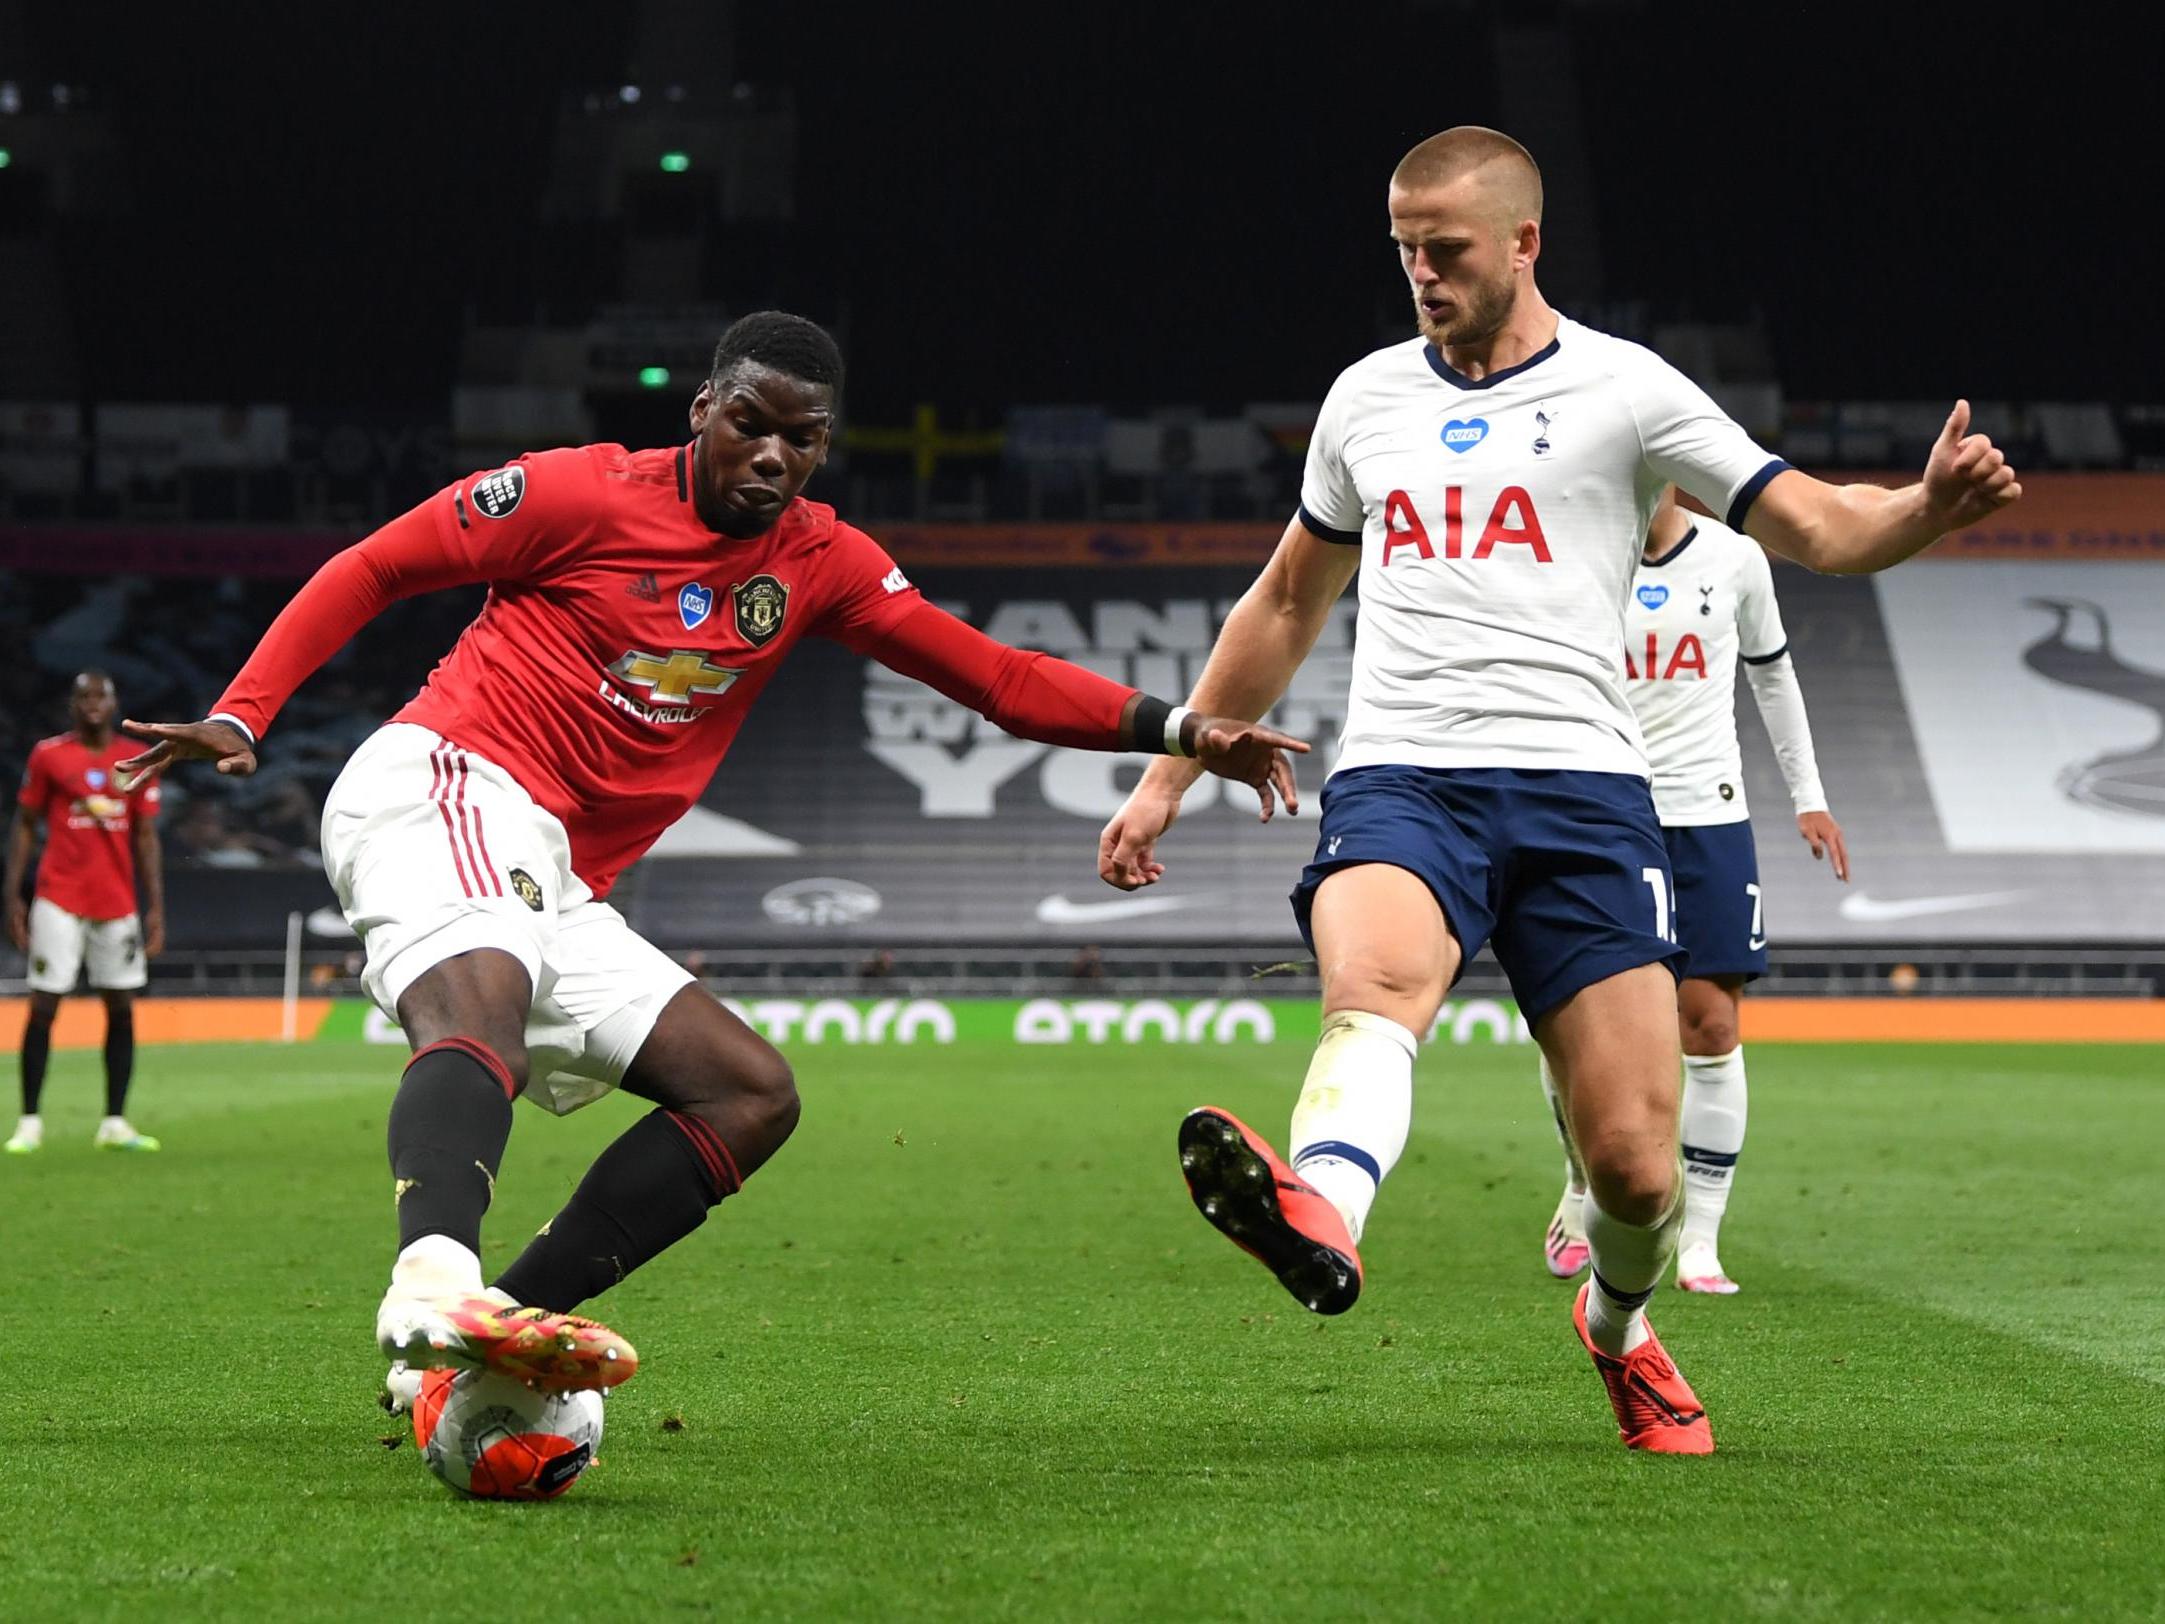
(649, 1190)
(37, 1049)
(449, 1124)
(119, 1059)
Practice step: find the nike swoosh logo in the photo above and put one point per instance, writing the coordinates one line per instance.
(1057, 910)
(1861, 909)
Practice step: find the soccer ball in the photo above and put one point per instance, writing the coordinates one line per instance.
(491, 1438)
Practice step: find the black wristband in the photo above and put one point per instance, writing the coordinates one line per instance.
(1150, 718)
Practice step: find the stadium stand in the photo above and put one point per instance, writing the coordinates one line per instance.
(867, 813)
(200, 463)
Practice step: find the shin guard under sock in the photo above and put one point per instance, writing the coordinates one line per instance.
(449, 1124)
(646, 1192)
(1713, 1135)
(1629, 1260)
(1354, 1111)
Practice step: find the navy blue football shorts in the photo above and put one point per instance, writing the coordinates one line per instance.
(1563, 873)
(1720, 914)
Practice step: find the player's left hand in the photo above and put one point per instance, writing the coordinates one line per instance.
(153, 933)
(1967, 477)
(1253, 754)
(1824, 836)
(221, 742)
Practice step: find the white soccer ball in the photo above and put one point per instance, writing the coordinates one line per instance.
(491, 1438)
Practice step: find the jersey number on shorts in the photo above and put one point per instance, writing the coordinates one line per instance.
(1657, 881)
(1759, 917)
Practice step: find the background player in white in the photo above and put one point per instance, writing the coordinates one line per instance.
(1491, 481)
(1702, 600)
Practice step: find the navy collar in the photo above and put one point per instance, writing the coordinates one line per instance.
(1690, 536)
(1451, 375)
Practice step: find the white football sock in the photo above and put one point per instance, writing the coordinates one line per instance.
(436, 1266)
(1629, 1261)
(1571, 1213)
(1713, 1135)
(1350, 1124)
(1574, 1174)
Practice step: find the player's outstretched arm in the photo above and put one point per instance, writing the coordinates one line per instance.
(1265, 638)
(406, 557)
(1860, 529)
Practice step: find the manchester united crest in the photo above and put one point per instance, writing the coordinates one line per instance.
(761, 603)
(526, 888)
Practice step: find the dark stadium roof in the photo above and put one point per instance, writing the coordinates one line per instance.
(1180, 203)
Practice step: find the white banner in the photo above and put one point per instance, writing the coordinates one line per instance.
(2037, 691)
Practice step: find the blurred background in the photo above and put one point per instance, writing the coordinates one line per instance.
(270, 275)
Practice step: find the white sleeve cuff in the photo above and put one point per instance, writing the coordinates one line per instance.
(233, 721)
(1173, 721)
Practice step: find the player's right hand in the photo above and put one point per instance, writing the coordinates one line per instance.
(1127, 849)
(19, 924)
(219, 742)
(1251, 754)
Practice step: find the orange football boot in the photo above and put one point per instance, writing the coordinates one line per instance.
(1263, 1207)
(556, 1352)
(1656, 1410)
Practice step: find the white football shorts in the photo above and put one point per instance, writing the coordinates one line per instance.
(435, 851)
(61, 944)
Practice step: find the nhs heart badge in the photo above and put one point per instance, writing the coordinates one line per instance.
(95, 778)
(1463, 437)
(695, 603)
(1653, 596)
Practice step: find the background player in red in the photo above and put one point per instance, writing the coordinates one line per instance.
(639, 602)
(98, 839)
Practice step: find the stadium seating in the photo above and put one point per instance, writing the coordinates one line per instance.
(927, 826)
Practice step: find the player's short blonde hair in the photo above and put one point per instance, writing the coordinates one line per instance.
(1508, 171)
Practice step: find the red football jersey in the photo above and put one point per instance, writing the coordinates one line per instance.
(89, 864)
(622, 642)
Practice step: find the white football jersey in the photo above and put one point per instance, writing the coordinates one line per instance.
(1499, 522)
(1692, 615)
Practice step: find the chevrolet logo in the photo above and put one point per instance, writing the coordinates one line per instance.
(675, 677)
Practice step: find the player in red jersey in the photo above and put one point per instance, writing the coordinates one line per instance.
(98, 839)
(639, 602)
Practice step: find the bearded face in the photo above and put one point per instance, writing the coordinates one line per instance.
(1462, 253)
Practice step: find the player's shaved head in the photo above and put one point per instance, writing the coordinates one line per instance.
(1505, 171)
(92, 703)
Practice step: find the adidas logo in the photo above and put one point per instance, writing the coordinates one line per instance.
(645, 588)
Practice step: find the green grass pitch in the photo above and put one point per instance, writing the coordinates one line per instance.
(965, 1351)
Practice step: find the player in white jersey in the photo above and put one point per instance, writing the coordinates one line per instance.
(1491, 481)
(1702, 600)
